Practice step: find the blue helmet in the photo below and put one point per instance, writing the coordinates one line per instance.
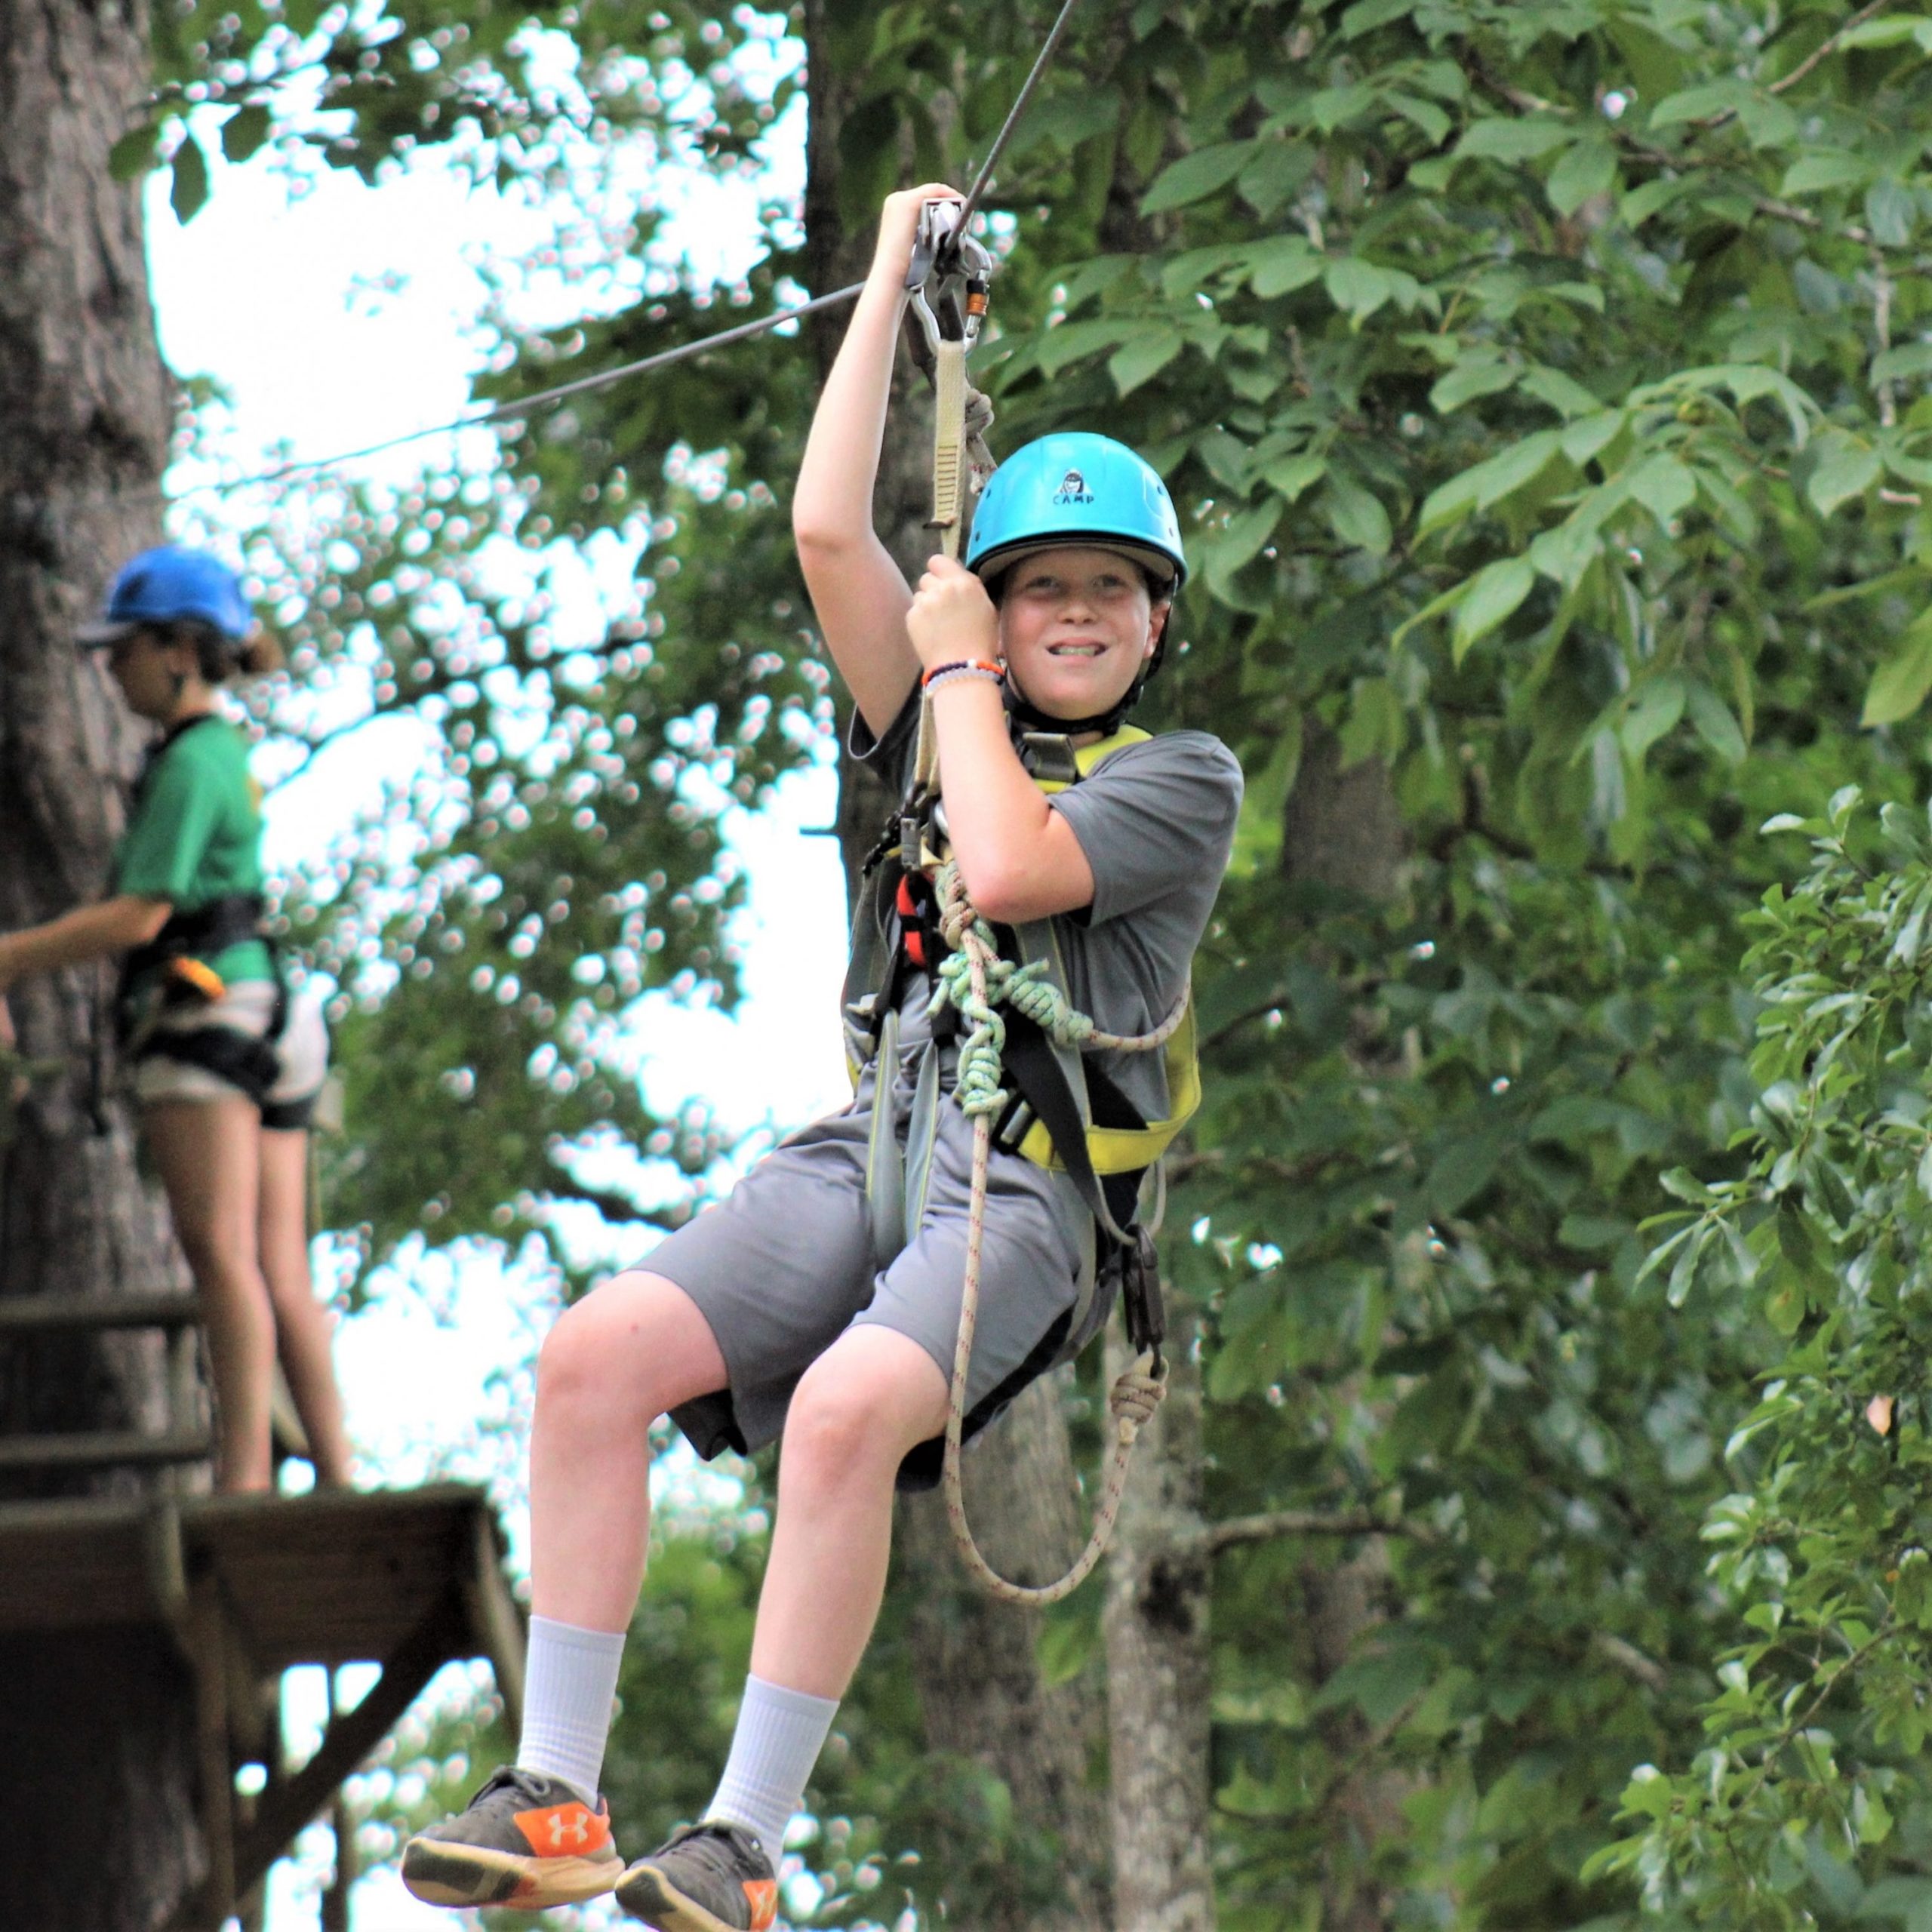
(1078, 488)
(168, 584)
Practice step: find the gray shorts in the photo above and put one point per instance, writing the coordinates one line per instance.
(784, 1265)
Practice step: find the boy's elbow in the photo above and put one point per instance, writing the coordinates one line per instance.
(817, 539)
(1006, 895)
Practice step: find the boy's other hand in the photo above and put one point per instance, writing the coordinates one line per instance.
(952, 617)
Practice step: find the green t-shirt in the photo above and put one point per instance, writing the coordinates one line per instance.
(195, 835)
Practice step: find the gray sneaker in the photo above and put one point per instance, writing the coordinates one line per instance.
(524, 1840)
(712, 1877)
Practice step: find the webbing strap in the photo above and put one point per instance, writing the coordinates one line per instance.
(949, 445)
(885, 1171)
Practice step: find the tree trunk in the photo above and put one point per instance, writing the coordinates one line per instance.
(102, 1732)
(1159, 1580)
(1343, 828)
(982, 1692)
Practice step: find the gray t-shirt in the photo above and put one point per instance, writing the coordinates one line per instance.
(1156, 822)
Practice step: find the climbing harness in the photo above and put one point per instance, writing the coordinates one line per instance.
(1024, 1078)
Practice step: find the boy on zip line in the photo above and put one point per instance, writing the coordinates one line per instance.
(793, 1310)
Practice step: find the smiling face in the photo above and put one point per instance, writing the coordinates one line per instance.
(1076, 626)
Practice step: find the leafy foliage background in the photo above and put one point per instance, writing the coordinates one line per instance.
(1543, 386)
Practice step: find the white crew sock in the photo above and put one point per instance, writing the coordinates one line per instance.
(778, 1736)
(569, 1688)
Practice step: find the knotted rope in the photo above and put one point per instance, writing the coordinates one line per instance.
(976, 981)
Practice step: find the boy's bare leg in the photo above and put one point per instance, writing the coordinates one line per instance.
(870, 1398)
(612, 1365)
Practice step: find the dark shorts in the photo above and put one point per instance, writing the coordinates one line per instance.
(784, 1265)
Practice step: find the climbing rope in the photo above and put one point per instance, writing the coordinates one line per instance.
(976, 980)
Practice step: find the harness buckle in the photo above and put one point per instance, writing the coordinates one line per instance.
(1049, 755)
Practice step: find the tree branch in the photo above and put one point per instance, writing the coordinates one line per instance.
(1627, 1658)
(1215, 1537)
(1828, 46)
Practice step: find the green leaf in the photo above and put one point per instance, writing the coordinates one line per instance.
(1241, 542)
(1814, 174)
(1483, 373)
(1712, 719)
(1258, 833)
(1501, 139)
(1495, 592)
(1891, 213)
(1654, 708)
(1663, 485)
(243, 133)
(1139, 361)
(1701, 103)
(189, 191)
(1463, 1169)
(1367, 15)
(1291, 476)
(1282, 264)
(1899, 685)
(1892, 32)
(1196, 175)
(1564, 394)
(133, 154)
(1588, 168)
(1844, 468)
(1356, 515)
(1424, 115)
(1900, 364)
(1358, 287)
(1653, 197)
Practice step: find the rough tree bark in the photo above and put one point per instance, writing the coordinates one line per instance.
(1344, 829)
(1159, 1580)
(102, 1731)
(982, 1694)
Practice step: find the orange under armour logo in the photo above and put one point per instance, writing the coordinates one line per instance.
(564, 1828)
(761, 1894)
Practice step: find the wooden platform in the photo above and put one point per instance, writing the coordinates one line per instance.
(249, 1585)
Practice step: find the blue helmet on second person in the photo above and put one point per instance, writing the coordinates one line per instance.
(169, 585)
(1077, 488)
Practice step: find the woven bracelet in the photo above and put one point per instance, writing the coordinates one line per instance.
(978, 667)
(955, 674)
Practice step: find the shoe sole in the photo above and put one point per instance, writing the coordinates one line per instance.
(440, 1873)
(649, 1897)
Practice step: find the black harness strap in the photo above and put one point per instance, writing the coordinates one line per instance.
(1133, 1266)
(242, 1059)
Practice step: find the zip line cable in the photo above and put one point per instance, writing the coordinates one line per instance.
(509, 411)
(983, 179)
(648, 364)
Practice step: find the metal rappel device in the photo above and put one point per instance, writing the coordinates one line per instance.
(948, 280)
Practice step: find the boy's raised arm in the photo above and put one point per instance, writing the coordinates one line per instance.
(859, 593)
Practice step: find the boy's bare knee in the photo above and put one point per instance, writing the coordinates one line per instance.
(845, 1418)
(577, 1362)
(621, 1348)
